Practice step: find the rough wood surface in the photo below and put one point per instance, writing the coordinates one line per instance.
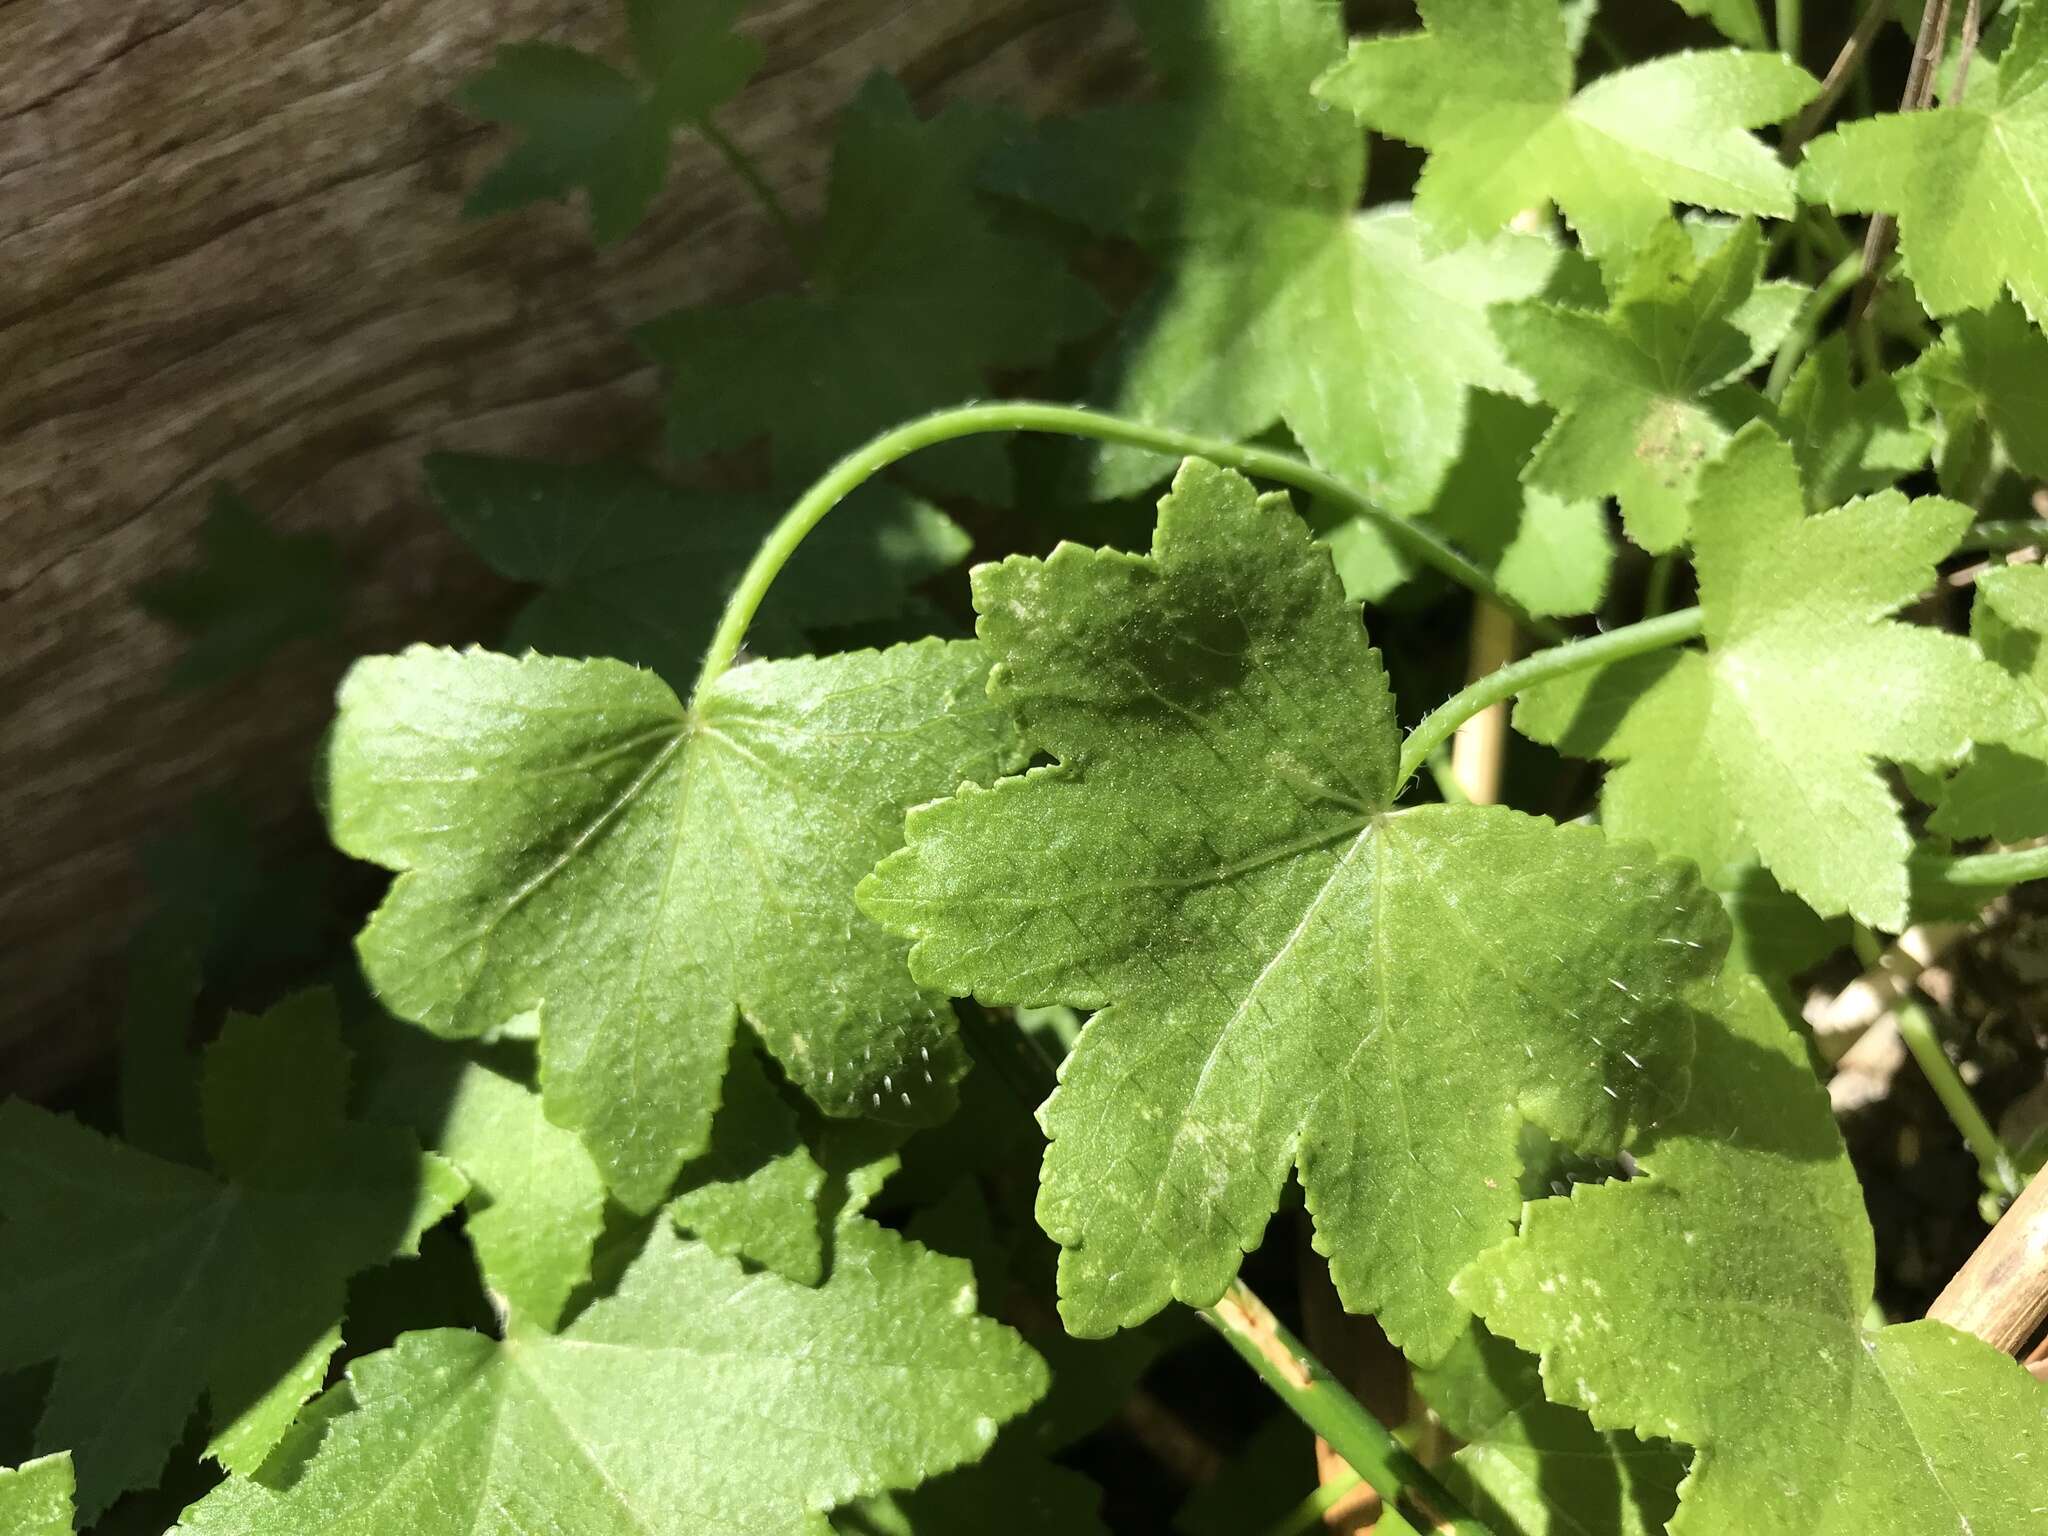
(229, 250)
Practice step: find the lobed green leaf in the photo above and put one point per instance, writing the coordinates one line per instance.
(1765, 744)
(572, 840)
(698, 1400)
(1967, 180)
(35, 1497)
(1277, 301)
(584, 124)
(1718, 1300)
(915, 294)
(1288, 972)
(150, 1284)
(1487, 88)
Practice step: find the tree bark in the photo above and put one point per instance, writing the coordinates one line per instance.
(230, 250)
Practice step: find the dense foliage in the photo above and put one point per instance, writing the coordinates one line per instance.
(716, 988)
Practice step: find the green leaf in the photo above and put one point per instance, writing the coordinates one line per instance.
(1739, 20)
(1645, 393)
(1549, 554)
(1992, 367)
(1257, 1488)
(1486, 88)
(1286, 968)
(754, 1193)
(1765, 316)
(1718, 1300)
(585, 124)
(1276, 300)
(2010, 622)
(915, 295)
(1529, 1467)
(536, 1203)
(1967, 181)
(636, 569)
(697, 1401)
(572, 839)
(253, 592)
(1850, 439)
(1012, 1490)
(35, 1498)
(258, 909)
(149, 1283)
(2002, 791)
(1370, 566)
(1776, 934)
(1767, 742)
(688, 54)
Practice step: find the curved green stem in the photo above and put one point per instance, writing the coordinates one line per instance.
(1916, 1028)
(1829, 292)
(1440, 723)
(1790, 28)
(864, 463)
(1307, 1516)
(1657, 590)
(1981, 871)
(748, 170)
(1997, 534)
(1320, 1401)
(1301, 1381)
(1447, 785)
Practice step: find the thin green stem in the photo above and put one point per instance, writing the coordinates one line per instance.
(1826, 234)
(1791, 23)
(1981, 871)
(1610, 48)
(1869, 345)
(1916, 1028)
(1320, 1401)
(1831, 290)
(1302, 1382)
(749, 172)
(1997, 534)
(864, 463)
(1307, 1516)
(1657, 589)
(1558, 661)
(1862, 94)
(1446, 778)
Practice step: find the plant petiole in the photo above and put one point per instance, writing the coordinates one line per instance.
(1829, 292)
(1790, 28)
(1308, 1515)
(1300, 1381)
(1992, 871)
(1320, 1401)
(1996, 535)
(749, 172)
(1557, 661)
(865, 462)
(1916, 1028)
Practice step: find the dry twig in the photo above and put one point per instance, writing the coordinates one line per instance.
(2001, 1294)
(1920, 80)
(1839, 74)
